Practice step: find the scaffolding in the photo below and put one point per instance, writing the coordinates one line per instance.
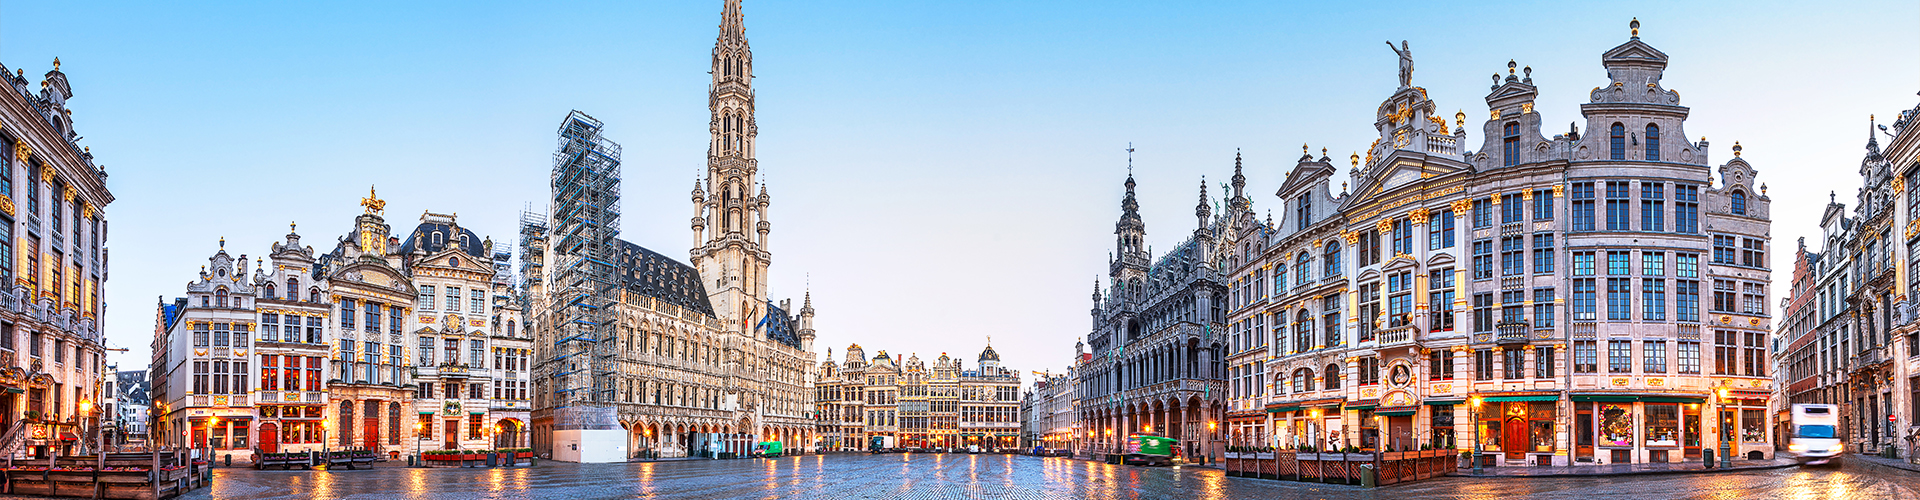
(585, 283)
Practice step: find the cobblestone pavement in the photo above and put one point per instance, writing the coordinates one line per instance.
(846, 477)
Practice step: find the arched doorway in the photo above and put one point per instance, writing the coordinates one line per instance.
(507, 433)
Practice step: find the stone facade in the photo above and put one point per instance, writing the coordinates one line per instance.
(707, 361)
(865, 403)
(1575, 299)
(53, 264)
(1050, 414)
(1864, 351)
(321, 351)
(1156, 335)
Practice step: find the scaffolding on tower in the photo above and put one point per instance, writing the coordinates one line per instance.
(583, 236)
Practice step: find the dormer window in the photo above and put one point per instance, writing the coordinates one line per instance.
(220, 297)
(1739, 202)
(1617, 138)
(1653, 142)
(1510, 144)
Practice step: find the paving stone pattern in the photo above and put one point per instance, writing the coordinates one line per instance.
(847, 477)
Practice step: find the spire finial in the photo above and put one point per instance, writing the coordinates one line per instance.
(1635, 26)
(1736, 149)
(1129, 160)
(56, 64)
(292, 226)
(1356, 164)
(223, 243)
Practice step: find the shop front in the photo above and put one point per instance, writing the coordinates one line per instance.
(1613, 428)
(1519, 429)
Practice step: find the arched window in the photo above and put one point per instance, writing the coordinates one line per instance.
(1653, 142)
(267, 291)
(313, 294)
(1333, 377)
(220, 298)
(1510, 144)
(510, 328)
(1739, 202)
(1618, 144)
(1303, 269)
(293, 289)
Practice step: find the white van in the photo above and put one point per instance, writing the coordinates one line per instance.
(1816, 430)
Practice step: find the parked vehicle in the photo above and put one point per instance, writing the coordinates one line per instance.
(1815, 439)
(769, 449)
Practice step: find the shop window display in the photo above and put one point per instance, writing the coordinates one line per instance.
(1540, 430)
(1616, 424)
(1663, 425)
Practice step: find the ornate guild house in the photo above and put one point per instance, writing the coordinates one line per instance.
(1543, 299)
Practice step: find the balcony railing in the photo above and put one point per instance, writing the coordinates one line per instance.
(1511, 333)
(1395, 336)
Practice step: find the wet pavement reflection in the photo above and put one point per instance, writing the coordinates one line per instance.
(941, 476)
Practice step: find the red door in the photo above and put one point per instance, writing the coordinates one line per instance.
(371, 432)
(269, 438)
(1514, 438)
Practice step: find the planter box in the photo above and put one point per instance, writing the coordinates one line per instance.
(523, 454)
(1266, 455)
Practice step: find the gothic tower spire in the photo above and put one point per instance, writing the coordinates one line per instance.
(730, 222)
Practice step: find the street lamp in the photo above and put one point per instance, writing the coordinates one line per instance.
(1314, 427)
(1476, 435)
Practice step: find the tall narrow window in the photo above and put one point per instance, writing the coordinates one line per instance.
(426, 297)
(347, 312)
(1653, 210)
(1686, 208)
(1582, 206)
(1584, 299)
(1399, 299)
(1440, 293)
(1543, 204)
(1513, 255)
(1512, 208)
(1617, 206)
(1617, 141)
(1653, 142)
(1483, 259)
(1543, 253)
(1510, 143)
(1739, 202)
(1304, 212)
(1543, 308)
(1333, 258)
(1653, 299)
(1440, 230)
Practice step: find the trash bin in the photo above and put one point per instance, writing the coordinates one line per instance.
(1706, 456)
(1368, 477)
(493, 459)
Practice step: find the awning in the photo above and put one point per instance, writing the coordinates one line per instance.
(1444, 402)
(1396, 411)
(68, 436)
(1606, 399)
(1361, 407)
(1515, 399)
(1283, 409)
(1671, 399)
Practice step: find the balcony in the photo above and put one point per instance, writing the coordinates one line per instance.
(1397, 336)
(1512, 332)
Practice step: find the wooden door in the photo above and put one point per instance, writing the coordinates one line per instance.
(452, 435)
(372, 432)
(1513, 438)
(269, 438)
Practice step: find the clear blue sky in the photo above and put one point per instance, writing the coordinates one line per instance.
(944, 171)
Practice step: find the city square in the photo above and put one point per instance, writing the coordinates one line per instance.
(396, 275)
(940, 476)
